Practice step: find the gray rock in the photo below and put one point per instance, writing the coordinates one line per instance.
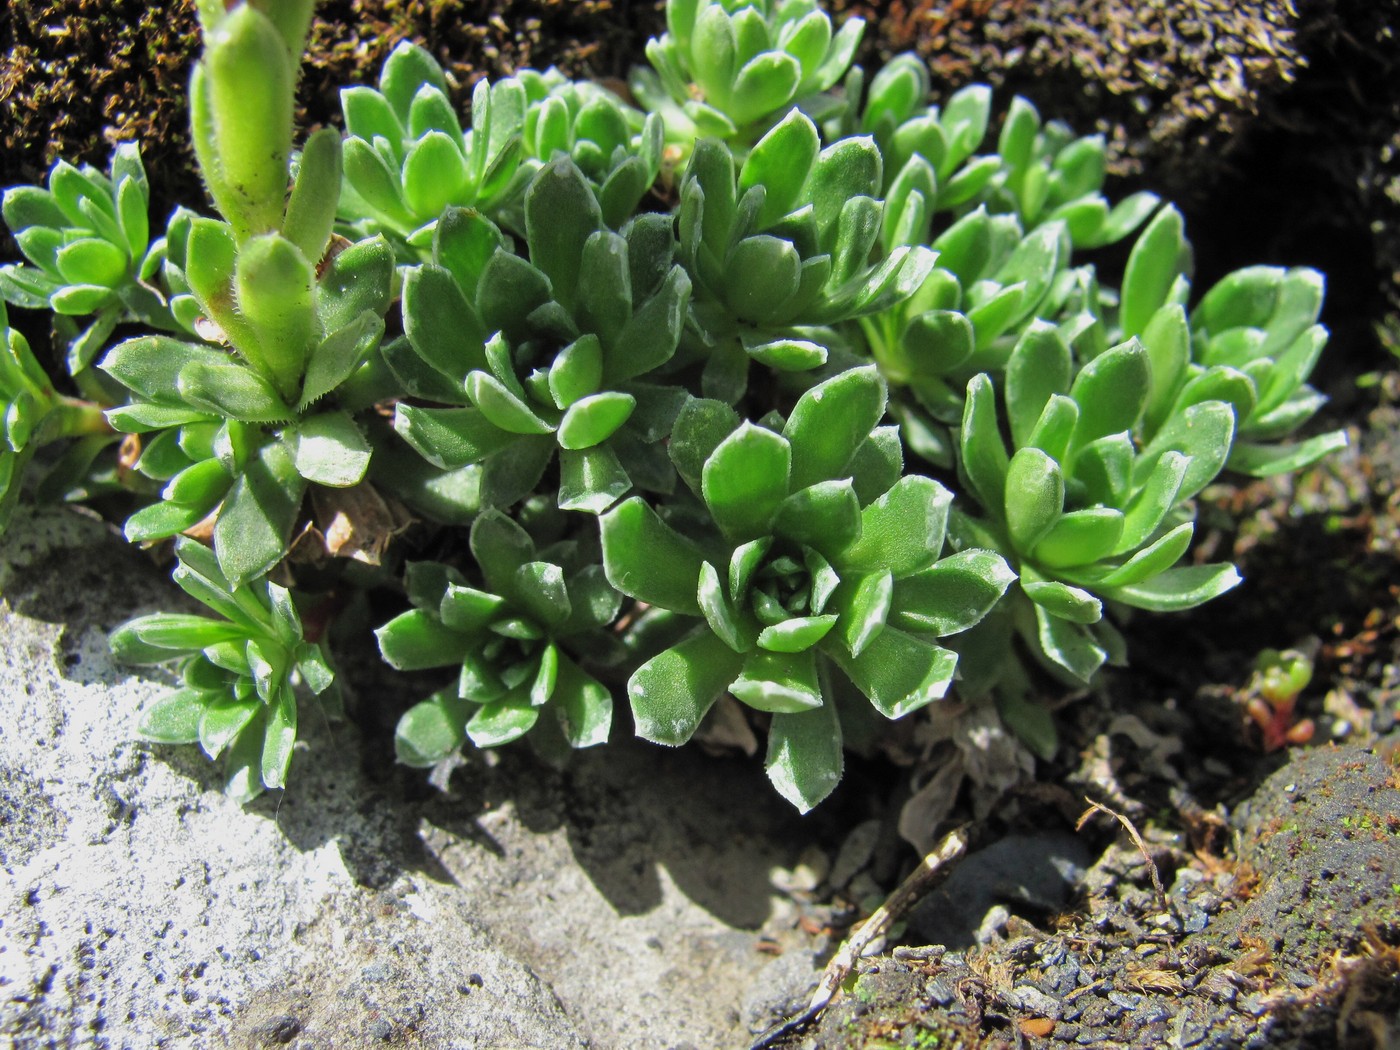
(1038, 872)
(781, 990)
(1322, 832)
(140, 908)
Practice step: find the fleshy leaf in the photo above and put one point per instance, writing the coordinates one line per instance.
(672, 691)
(805, 756)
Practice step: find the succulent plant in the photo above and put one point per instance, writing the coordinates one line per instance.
(813, 558)
(510, 641)
(784, 384)
(240, 672)
(729, 69)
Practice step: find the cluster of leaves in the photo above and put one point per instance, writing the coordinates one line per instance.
(786, 386)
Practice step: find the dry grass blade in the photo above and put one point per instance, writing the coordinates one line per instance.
(931, 870)
(1137, 841)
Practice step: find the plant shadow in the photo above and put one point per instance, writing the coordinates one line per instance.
(627, 812)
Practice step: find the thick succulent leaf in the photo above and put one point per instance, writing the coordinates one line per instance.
(467, 609)
(1062, 601)
(902, 531)
(593, 419)
(510, 290)
(713, 53)
(1125, 217)
(449, 437)
(279, 738)
(1111, 391)
(230, 389)
(1153, 267)
(591, 479)
(984, 460)
(864, 609)
(330, 450)
(1104, 471)
(1068, 645)
(648, 560)
(504, 407)
(762, 274)
(441, 325)
(464, 241)
(1177, 589)
(576, 371)
(787, 355)
(500, 547)
(1148, 562)
(221, 722)
(1080, 537)
(1054, 430)
(338, 355)
(877, 464)
(1263, 461)
(899, 672)
(781, 682)
(435, 174)
(735, 627)
(539, 590)
(1035, 497)
(161, 636)
(561, 213)
(651, 335)
(501, 721)
(1167, 340)
(672, 691)
(174, 718)
(797, 634)
(951, 595)
(780, 163)
(1155, 497)
(805, 757)
(825, 516)
(1039, 366)
(745, 479)
(583, 705)
(765, 83)
(257, 515)
(417, 639)
(157, 521)
(850, 167)
(150, 365)
(1204, 433)
(830, 422)
(511, 474)
(432, 730)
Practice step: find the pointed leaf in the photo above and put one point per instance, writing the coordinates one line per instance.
(671, 692)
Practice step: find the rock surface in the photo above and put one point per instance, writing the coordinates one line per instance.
(1289, 944)
(522, 908)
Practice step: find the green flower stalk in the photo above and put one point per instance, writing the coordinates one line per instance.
(237, 426)
(510, 642)
(814, 560)
(240, 671)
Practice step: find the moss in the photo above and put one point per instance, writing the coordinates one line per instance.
(1159, 79)
(79, 75)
